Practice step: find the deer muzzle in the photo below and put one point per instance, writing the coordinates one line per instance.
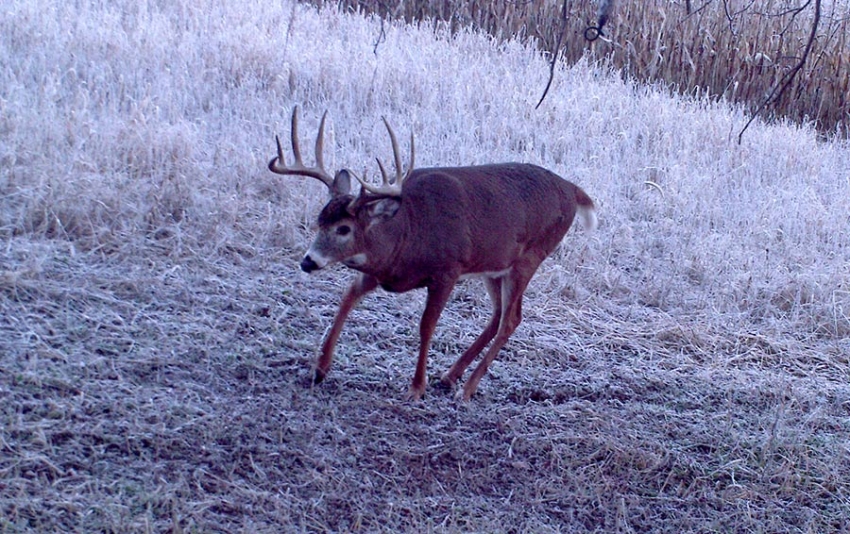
(308, 265)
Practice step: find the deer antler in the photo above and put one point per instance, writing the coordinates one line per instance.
(278, 165)
(387, 187)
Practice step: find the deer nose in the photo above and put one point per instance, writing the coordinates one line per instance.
(308, 265)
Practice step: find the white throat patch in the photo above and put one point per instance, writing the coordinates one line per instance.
(357, 260)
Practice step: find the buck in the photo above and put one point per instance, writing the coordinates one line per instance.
(430, 228)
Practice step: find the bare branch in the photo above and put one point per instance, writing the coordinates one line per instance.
(382, 36)
(554, 61)
(785, 82)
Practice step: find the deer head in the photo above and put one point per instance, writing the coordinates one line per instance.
(345, 220)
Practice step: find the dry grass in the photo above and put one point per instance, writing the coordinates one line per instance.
(734, 50)
(683, 369)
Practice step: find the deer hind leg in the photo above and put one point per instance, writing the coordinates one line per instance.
(513, 287)
(438, 296)
(362, 285)
(494, 289)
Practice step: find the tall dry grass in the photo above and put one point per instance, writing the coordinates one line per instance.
(736, 50)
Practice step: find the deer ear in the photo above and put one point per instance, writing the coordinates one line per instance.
(384, 208)
(342, 184)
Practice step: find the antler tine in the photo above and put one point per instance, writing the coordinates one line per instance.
(278, 165)
(293, 138)
(391, 188)
(396, 155)
(385, 180)
(320, 142)
(412, 154)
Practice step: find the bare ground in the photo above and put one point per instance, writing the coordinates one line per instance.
(153, 392)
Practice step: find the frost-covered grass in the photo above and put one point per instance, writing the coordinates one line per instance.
(125, 121)
(149, 283)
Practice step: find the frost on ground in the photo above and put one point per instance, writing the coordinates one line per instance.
(683, 368)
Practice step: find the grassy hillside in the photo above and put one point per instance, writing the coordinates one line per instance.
(684, 368)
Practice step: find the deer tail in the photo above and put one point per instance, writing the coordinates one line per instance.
(586, 209)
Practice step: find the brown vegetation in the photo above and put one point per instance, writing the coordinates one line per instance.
(735, 50)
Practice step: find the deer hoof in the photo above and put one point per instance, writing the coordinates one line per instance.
(414, 394)
(445, 384)
(466, 393)
(318, 376)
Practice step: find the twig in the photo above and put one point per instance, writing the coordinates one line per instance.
(382, 36)
(555, 54)
(783, 84)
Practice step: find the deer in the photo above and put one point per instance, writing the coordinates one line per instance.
(431, 227)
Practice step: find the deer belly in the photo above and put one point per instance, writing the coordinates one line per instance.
(400, 285)
(485, 274)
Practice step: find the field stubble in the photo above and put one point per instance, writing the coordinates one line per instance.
(683, 369)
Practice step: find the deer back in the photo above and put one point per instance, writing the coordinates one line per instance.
(463, 220)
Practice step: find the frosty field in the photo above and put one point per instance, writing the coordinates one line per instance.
(684, 368)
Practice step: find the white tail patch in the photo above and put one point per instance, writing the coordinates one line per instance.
(588, 218)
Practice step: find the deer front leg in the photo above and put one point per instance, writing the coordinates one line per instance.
(438, 295)
(362, 285)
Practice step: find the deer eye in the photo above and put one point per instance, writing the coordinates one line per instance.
(343, 230)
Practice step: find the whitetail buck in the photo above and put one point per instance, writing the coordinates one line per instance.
(430, 228)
